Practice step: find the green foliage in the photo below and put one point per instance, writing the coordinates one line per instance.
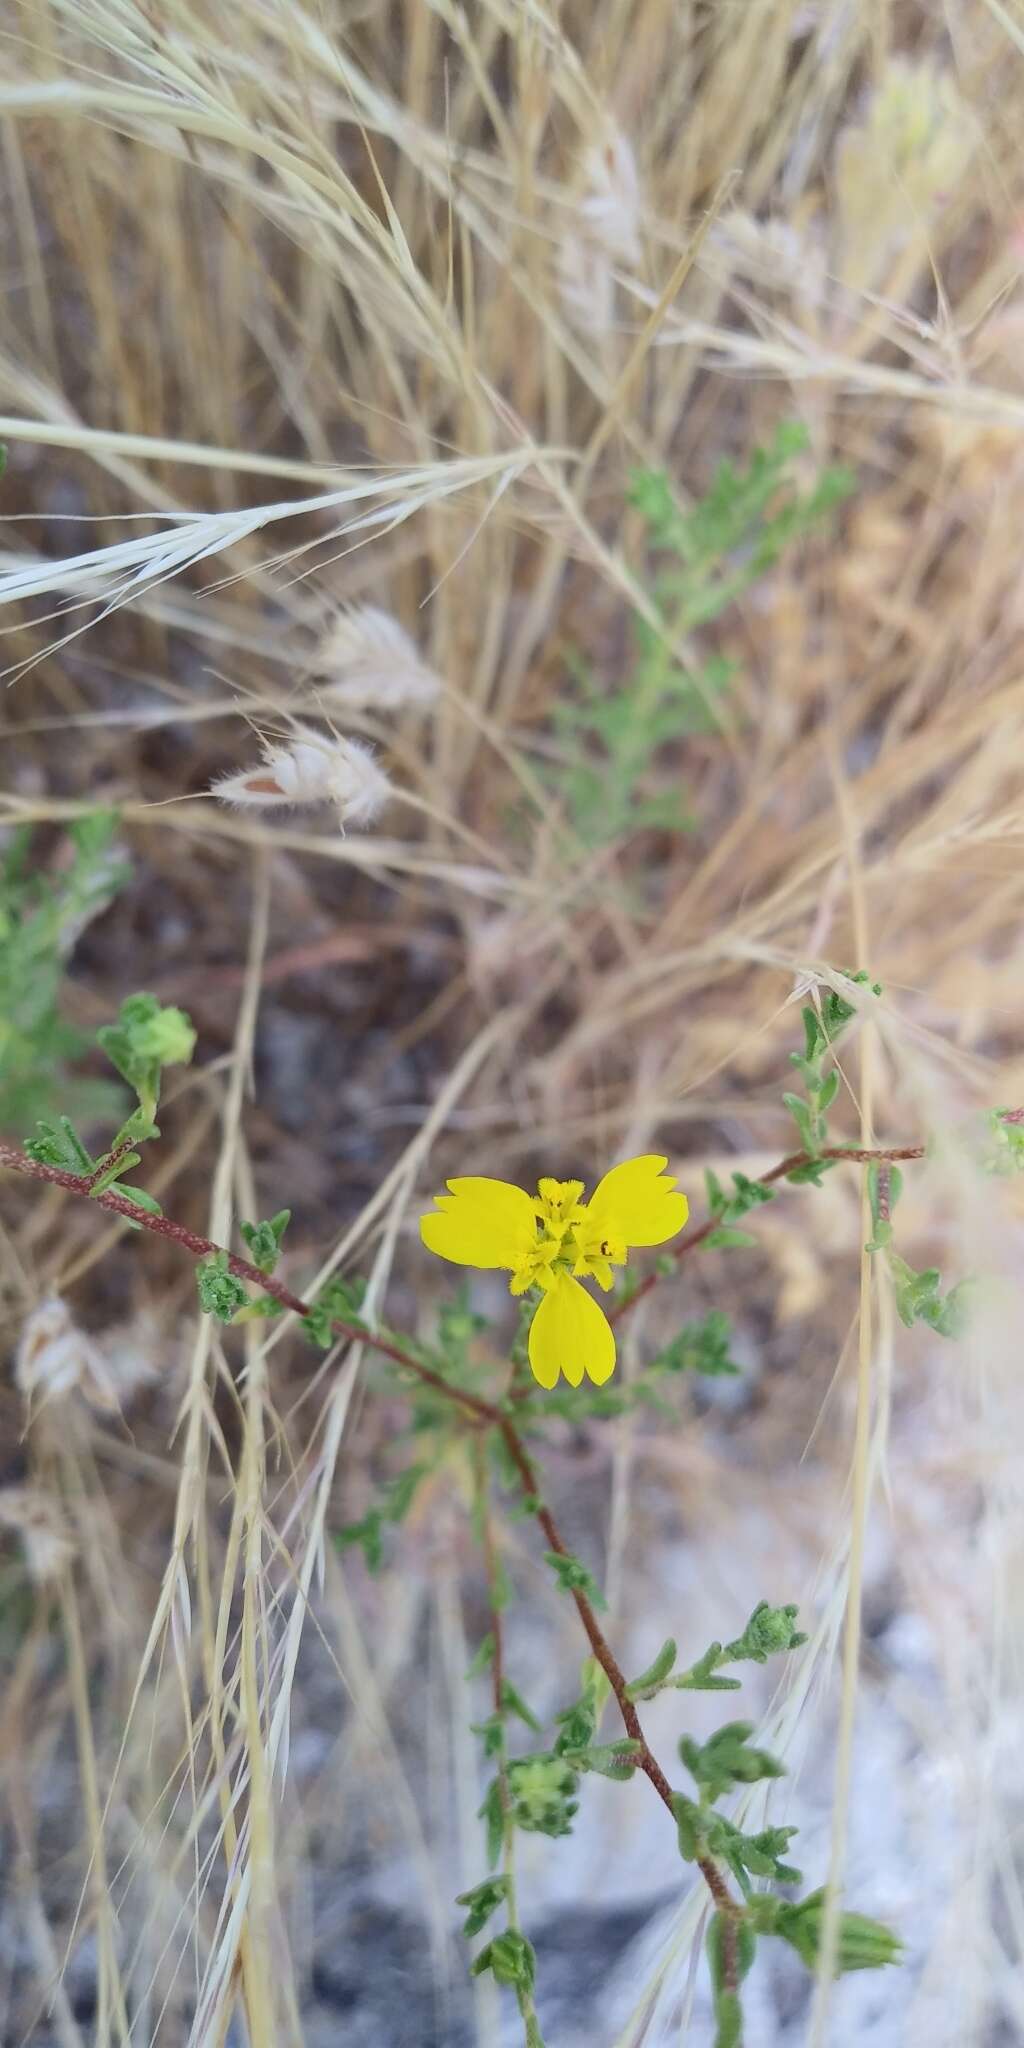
(264, 1239)
(701, 1347)
(702, 1833)
(747, 1194)
(703, 560)
(918, 1295)
(147, 1037)
(768, 1633)
(655, 1677)
(510, 1959)
(541, 1789)
(728, 2011)
(1004, 1152)
(492, 1813)
(339, 1300)
(749, 1856)
(42, 914)
(220, 1293)
(573, 1577)
(578, 1722)
(863, 1944)
(728, 1759)
(397, 1497)
(822, 1028)
(60, 1145)
(483, 1900)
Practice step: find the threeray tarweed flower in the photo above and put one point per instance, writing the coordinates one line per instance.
(553, 1240)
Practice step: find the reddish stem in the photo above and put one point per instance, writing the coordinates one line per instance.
(858, 1153)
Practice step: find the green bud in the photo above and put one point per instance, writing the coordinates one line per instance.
(220, 1294)
(264, 1239)
(769, 1630)
(863, 1944)
(510, 1959)
(541, 1789)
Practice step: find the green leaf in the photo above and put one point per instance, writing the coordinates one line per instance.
(138, 1129)
(750, 1855)
(726, 1239)
(220, 1293)
(483, 1900)
(60, 1145)
(140, 1198)
(728, 1760)
(652, 1680)
(746, 1949)
(802, 1118)
(264, 1239)
(811, 1172)
(701, 1676)
(107, 1176)
(491, 1733)
(919, 1299)
(609, 1759)
(699, 1347)
(514, 1703)
(573, 1577)
(369, 1534)
(747, 1194)
(828, 1091)
(339, 1300)
(690, 1821)
(492, 1813)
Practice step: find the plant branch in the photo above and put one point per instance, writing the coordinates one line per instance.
(616, 1677)
(205, 1248)
(202, 1248)
(859, 1154)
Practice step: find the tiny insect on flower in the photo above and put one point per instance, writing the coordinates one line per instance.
(553, 1240)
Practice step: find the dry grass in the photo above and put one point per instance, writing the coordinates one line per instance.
(317, 307)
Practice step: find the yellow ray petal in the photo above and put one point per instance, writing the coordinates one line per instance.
(570, 1334)
(637, 1203)
(480, 1223)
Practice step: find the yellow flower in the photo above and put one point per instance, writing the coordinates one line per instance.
(553, 1240)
